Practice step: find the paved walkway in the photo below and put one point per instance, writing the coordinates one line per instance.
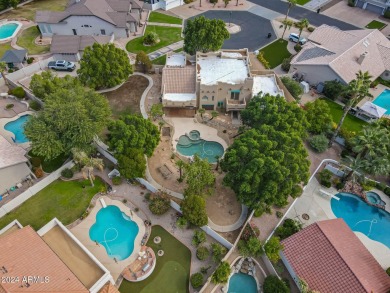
(164, 24)
(315, 4)
(165, 50)
(264, 12)
(144, 94)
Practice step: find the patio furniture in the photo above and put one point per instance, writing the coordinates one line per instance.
(323, 192)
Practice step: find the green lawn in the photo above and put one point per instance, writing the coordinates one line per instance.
(162, 59)
(52, 165)
(4, 47)
(172, 270)
(66, 200)
(376, 25)
(28, 10)
(275, 52)
(302, 2)
(351, 123)
(167, 35)
(27, 40)
(163, 18)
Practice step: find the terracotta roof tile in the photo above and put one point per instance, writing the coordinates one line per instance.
(331, 258)
(109, 288)
(179, 80)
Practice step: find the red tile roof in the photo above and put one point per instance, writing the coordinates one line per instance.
(24, 253)
(331, 258)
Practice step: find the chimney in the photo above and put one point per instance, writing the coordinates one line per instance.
(362, 57)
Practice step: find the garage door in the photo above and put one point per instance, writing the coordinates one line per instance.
(374, 8)
(208, 107)
(360, 3)
(180, 112)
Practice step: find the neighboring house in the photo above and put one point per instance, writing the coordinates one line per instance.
(377, 6)
(92, 17)
(333, 54)
(14, 58)
(162, 4)
(49, 260)
(329, 257)
(218, 80)
(71, 48)
(13, 165)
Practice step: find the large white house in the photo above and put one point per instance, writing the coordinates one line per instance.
(92, 17)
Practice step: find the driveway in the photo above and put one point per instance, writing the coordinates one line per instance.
(254, 29)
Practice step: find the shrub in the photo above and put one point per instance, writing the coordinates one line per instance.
(198, 238)
(18, 92)
(67, 173)
(387, 13)
(387, 191)
(351, 3)
(35, 105)
(286, 64)
(204, 270)
(288, 228)
(279, 214)
(159, 205)
(297, 47)
(218, 251)
(325, 176)
(374, 83)
(293, 87)
(296, 191)
(221, 274)
(151, 38)
(36, 162)
(333, 89)
(339, 185)
(381, 186)
(261, 209)
(30, 60)
(202, 253)
(262, 60)
(188, 1)
(117, 180)
(9, 106)
(311, 29)
(182, 222)
(319, 143)
(38, 172)
(273, 284)
(388, 271)
(147, 196)
(196, 280)
(252, 247)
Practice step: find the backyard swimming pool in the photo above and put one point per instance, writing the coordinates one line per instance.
(242, 283)
(361, 217)
(115, 231)
(383, 100)
(17, 128)
(8, 30)
(191, 144)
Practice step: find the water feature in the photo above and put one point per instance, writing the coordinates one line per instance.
(242, 283)
(375, 198)
(383, 100)
(17, 128)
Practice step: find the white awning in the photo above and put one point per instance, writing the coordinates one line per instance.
(373, 110)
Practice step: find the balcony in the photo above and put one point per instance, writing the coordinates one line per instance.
(234, 105)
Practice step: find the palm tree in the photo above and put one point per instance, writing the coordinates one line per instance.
(160, 124)
(213, 115)
(3, 68)
(287, 23)
(201, 111)
(302, 24)
(217, 158)
(357, 89)
(291, 4)
(356, 165)
(88, 163)
(181, 165)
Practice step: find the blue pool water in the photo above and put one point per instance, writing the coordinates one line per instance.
(115, 231)
(362, 217)
(383, 100)
(242, 283)
(17, 128)
(375, 198)
(8, 30)
(191, 144)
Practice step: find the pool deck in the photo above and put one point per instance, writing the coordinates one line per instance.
(81, 231)
(375, 92)
(318, 208)
(9, 136)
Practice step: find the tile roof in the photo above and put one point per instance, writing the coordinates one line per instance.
(10, 154)
(179, 80)
(340, 50)
(61, 44)
(331, 258)
(24, 253)
(14, 56)
(109, 288)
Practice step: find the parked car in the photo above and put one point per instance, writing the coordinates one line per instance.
(61, 65)
(294, 38)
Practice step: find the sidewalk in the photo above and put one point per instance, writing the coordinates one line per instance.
(164, 24)
(165, 50)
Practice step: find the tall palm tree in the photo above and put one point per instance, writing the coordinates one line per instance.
(291, 4)
(3, 68)
(217, 158)
(214, 114)
(287, 23)
(357, 166)
(181, 165)
(372, 143)
(160, 125)
(88, 163)
(302, 24)
(201, 111)
(357, 89)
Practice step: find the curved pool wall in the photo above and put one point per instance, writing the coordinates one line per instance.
(9, 29)
(10, 136)
(242, 283)
(374, 198)
(361, 217)
(115, 231)
(383, 100)
(17, 128)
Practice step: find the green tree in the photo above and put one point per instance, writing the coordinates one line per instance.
(214, 114)
(356, 166)
(194, 210)
(276, 112)
(159, 205)
(287, 23)
(70, 119)
(156, 111)
(143, 61)
(221, 274)
(218, 251)
(198, 238)
(199, 177)
(204, 35)
(196, 280)
(202, 253)
(201, 111)
(333, 89)
(272, 284)
(288, 228)
(88, 164)
(301, 25)
(133, 131)
(226, 2)
(132, 163)
(272, 248)
(252, 247)
(104, 66)
(181, 165)
(291, 4)
(263, 166)
(293, 87)
(357, 89)
(3, 68)
(319, 117)
(319, 143)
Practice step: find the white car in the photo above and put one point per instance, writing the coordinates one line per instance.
(294, 38)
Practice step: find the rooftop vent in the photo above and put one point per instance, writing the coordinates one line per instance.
(362, 57)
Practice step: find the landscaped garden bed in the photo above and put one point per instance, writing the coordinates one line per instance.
(172, 270)
(163, 18)
(276, 52)
(65, 200)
